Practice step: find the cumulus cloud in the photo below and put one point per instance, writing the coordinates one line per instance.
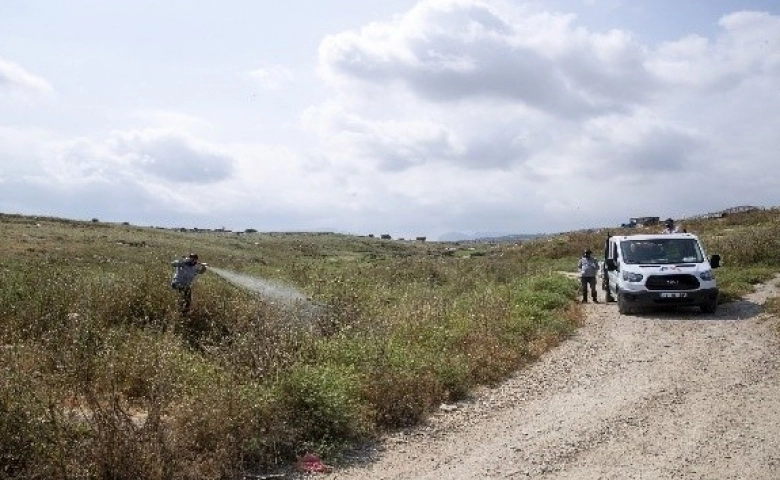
(394, 145)
(638, 146)
(172, 157)
(147, 170)
(489, 85)
(446, 51)
(15, 79)
(135, 155)
(545, 108)
(747, 47)
(166, 174)
(562, 93)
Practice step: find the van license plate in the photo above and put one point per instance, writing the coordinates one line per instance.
(674, 295)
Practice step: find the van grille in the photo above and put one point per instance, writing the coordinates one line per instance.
(672, 282)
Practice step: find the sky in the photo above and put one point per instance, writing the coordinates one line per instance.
(402, 117)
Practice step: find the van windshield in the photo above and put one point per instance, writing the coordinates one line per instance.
(661, 251)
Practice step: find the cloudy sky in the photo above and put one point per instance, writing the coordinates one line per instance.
(407, 117)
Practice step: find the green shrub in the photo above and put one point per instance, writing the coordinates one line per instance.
(222, 429)
(402, 388)
(24, 430)
(322, 406)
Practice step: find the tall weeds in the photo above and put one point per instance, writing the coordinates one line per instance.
(103, 378)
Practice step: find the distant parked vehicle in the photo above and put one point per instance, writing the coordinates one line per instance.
(641, 222)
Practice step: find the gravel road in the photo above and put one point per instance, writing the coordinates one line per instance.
(658, 395)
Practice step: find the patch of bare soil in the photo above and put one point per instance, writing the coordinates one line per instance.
(657, 395)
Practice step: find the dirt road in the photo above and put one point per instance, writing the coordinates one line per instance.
(659, 395)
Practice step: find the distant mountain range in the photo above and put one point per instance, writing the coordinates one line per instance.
(503, 237)
(493, 237)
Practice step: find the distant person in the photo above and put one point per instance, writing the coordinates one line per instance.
(588, 267)
(670, 227)
(186, 270)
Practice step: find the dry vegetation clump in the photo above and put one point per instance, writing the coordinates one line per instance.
(749, 244)
(103, 378)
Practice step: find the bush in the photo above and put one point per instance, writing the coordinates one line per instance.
(322, 406)
(401, 390)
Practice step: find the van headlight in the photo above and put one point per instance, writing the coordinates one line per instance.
(706, 276)
(632, 277)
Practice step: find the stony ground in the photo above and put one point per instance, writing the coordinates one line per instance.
(658, 395)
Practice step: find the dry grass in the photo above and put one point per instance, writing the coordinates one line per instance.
(102, 377)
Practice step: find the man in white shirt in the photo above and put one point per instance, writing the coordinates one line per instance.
(588, 267)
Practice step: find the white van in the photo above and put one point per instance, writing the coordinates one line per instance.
(659, 269)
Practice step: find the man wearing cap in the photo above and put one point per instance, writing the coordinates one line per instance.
(186, 270)
(588, 267)
(670, 227)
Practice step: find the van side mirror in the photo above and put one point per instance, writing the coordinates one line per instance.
(715, 261)
(611, 265)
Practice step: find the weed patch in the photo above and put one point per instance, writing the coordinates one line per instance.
(103, 378)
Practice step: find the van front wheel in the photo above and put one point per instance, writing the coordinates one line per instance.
(623, 306)
(709, 306)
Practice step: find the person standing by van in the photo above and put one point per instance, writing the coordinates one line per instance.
(588, 268)
(670, 227)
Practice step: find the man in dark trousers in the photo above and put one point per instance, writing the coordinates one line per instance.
(588, 267)
(186, 270)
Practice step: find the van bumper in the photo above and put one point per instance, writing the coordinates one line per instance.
(650, 298)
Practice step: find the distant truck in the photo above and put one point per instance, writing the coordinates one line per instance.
(641, 222)
(659, 269)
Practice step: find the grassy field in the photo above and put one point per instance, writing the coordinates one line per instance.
(103, 378)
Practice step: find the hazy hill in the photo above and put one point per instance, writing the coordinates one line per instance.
(491, 237)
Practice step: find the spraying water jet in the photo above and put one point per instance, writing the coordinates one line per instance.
(290, 299)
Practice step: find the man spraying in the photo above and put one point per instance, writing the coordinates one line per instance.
(186, 270)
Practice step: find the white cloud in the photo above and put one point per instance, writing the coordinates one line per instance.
(272, 78)
(391, 145)
(447, 51)
(15, 79)
(148, 171)
(173, 122)
(172, 157)
(747, 47)
(137, 156)
(556, 111)
(632, 148)
(467, 85)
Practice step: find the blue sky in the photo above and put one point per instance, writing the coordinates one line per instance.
(403, 117)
